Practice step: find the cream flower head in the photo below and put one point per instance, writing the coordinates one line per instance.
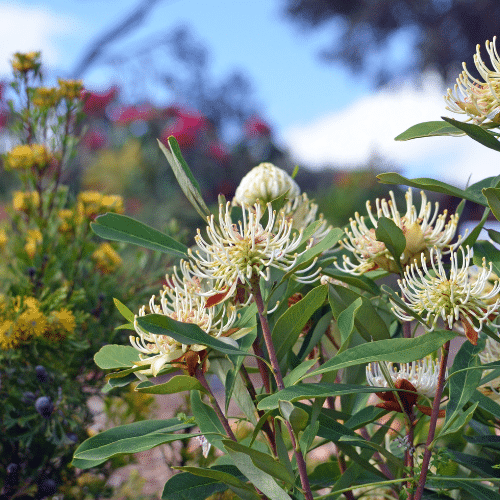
(422, 229)
(479, 100)
(435, 294)
(180, 305)
(236, 252)
(422, 374)
(264, 183)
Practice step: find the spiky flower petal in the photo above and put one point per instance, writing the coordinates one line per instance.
(234, 253)
(264, 183)
(422, 374)
(180, 305)
(452, 296)
(423, 229)
(479, 100)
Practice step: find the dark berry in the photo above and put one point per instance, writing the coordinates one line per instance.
(41, 374)
(47, 488)
(31, 272)
(44, 406)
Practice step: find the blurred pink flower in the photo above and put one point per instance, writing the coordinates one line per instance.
(185, 125)
(95, 103)
(255, 126)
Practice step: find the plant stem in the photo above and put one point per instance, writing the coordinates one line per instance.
(434, 417)
(213, 402)
(266, 333)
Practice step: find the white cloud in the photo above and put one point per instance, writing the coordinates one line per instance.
(26, 28)
(368, 126)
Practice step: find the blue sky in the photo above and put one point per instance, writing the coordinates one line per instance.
(321, 112)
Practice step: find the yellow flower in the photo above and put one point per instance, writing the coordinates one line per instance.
(66, 319)
(3, 238)
(106, 258)
(61, 323)
(46, 97)
(7, 340)
(112, 203)
(24, 62)
(25, 201)
(66, 215)
(70, 89)
(422, 230)
(33, 240)
(25, 156)
(479, 100)
(89, 203)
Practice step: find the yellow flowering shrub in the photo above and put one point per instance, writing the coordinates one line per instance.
(70, 89)
(106, 258)
(24, 62)
(26, 156)
(25, 201)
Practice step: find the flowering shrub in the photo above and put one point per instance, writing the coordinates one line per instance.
(56, 296)
(285, 310)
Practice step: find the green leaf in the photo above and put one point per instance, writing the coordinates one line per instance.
(488, 440)
(263, 461)
(435, 186)
(184, 176)
(428, 129)
(187, 486)
(130, 438)
(118, 227)
(313, 337)
(479, 465)
(475, 132)
(207, 420)
(363, 443)
(260, 479)
(489, 252)
(486, 404)
(494, 235)
(287, 329)
(179, 383)
(463, 384)
(493, 197)
(392, 237)
(365, 416)
(395, 350)
(309, 391)
(457, 421)
(212, 476)
(361, 282)
(124, 311)
(345, 322)
(116, 356)
(474, 234)
(292, 377)
(186, 333)
(477, 491)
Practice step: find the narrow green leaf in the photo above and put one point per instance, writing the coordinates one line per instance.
(309, 391)
(118, 227)
(474, 234)
(261, 480)
(494, 235)
(395, 350)
(130, 438)
(314, 336)
(292, 377)
(429, 129)
(179, 383)
(186, 333)
(263, 461)
(364, 416)
(392, 237)
(124, 310)
(287, 329)
(116, 356)
(463, 384)
(433, 185)
(479, 465)
(213, 476)
(488, 440)
(457, 422)
(493, 197)
(207, 421)
(486, 403)
(361, 282)
(345, 322)
(477, 491)
(363, 443)
(475, 132)
(187, 486)
(184, 176)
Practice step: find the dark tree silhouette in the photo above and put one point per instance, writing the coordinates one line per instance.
(442, 33)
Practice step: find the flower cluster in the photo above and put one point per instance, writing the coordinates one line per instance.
(24, 62)
(92, 203)
(22, 321)
(480, 101)
(106, 258)
(423, 229)
(452, 297)
(26, 156)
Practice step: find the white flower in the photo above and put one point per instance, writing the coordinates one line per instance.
(264, 183)
(422, 229)
(234, 253)
(435, 294)
(180, 305)
(422, 374)
(479, 100)
(303, 212)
